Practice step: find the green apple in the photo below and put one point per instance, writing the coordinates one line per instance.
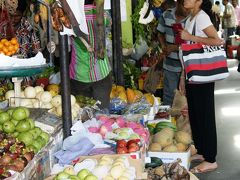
(38, 131)
(123, 135)
(41, 141)
(26, 138)
(83, 173)
(91, 177)
(37, 145)
(34, 133)
(15, 134)
(31, 122)
(62, 176)
(19, 113)
(26, 111)
(23, 126)
(14, 122)
(69, 170)
(45, 136)
(8, 127)
(10, 111)
(72, 177)
(4, 116)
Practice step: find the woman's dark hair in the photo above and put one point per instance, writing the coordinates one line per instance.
(207, 8)
(22, 5)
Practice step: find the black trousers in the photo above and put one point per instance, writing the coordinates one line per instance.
(99, 90)
(201, 110)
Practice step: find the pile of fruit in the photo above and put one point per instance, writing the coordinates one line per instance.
(168, 140)
(13, 155)
(130, 95)
(155, 128)
(36, 97)
(84, 101)
(9, 47)
(124, 147)
(105, 168)
(4, 87)
(16, 122)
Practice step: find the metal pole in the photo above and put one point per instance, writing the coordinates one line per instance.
(65, 86)
(117, 42)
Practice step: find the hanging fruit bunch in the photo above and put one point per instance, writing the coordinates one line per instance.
(59, 17)
(9, 47)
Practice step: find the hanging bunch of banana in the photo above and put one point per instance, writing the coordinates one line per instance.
(157, 3)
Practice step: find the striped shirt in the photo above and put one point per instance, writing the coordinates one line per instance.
(84, 66)
(172, 62)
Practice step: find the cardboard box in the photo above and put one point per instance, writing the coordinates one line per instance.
(168, 157)
(137, 163)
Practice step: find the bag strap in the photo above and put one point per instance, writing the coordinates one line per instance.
(193, 31)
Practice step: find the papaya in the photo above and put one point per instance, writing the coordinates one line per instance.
(149, 98)
(122, 95)
(138, 94)
(130, 95)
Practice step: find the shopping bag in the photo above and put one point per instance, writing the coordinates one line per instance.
(203, 63)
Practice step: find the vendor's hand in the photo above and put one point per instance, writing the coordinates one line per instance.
(185, 35)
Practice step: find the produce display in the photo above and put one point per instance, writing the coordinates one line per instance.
(14, 155)
(167, 140)
(36, 97)
(16, 122)
(84, 101)
(9, 47)
(105, 168)
(117, 128)
(4, 87)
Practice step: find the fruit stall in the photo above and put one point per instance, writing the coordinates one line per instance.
(48, 133)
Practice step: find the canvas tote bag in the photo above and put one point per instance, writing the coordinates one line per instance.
(203, 63)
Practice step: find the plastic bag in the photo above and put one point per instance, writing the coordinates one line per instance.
(140, 107)
(139, 49)
(117, 106)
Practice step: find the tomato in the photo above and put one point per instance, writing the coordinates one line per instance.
(121, 143)
(133, 141)
(122, 150)
(133, 147)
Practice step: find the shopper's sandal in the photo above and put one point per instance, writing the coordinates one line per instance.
(201, 168)
(197, 158)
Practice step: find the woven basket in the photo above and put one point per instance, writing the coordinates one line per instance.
(10, 5)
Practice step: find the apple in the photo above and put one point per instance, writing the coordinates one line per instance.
(122, 150)
(121, 143)
(69, 170)
(1, 127)
(73, 177)
(19, 113)
(26, 138)
(37, 145)
(23, 126)
(10, 111)
(14, 122)
(4, 116)
(45, 136)
(62, 176)
(15, 134)
(123, 135)
(37, 130)
(83, 173)
(34, 133)
(31, 122)
(41, 141)
(91, 177)
(8, 127)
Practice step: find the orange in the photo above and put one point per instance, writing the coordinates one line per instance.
(5, 50)
(10, 48)
(3, 41)
(8, 53)
(14, 41)
(1, 52)
(1, 45)
(7, 43)
(16, 47)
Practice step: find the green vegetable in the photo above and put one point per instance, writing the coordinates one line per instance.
(155, 162)
(150, 129)
(161, 125)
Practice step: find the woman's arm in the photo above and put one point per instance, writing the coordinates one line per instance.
(212, 38)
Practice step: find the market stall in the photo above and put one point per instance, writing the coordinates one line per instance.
(47, 133)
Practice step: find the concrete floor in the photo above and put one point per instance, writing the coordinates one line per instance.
(227, 102)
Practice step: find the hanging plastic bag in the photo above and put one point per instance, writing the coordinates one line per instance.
(140, 49)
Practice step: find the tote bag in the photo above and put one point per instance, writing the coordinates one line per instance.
(203, 63)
